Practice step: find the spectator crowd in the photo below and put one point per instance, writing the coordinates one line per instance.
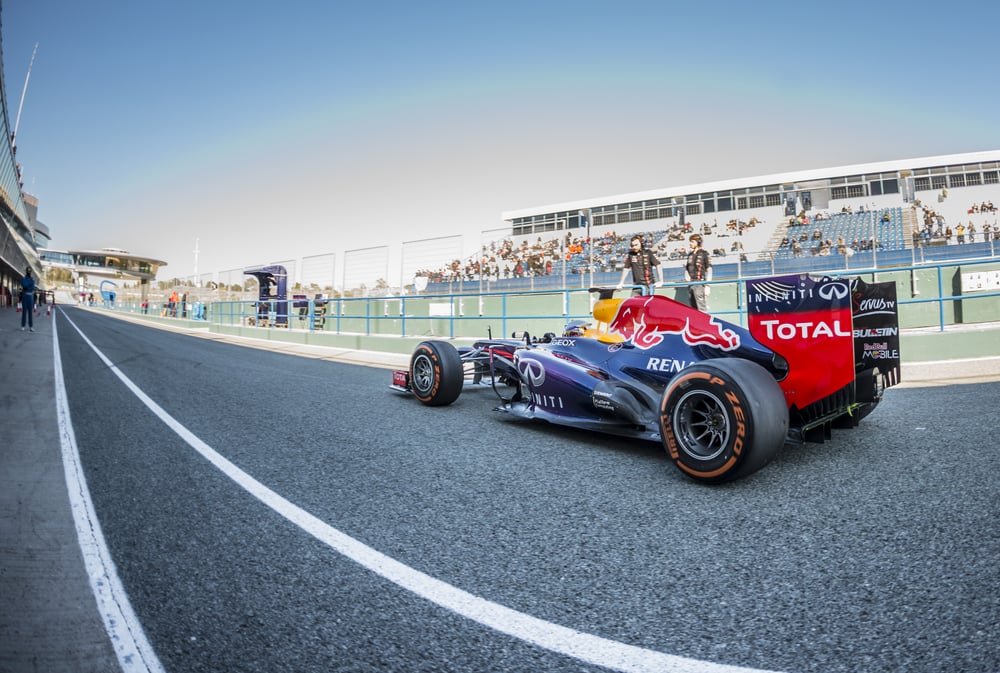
(505, 259)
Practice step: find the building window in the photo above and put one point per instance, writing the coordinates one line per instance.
(757, 201)
(937, 182)
(855, 191)
(773, 199)
(957, 180)
(990, 178)
(973, 179)
(725, 203)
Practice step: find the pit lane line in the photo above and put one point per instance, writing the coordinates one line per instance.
(128, 639)
(136, 655)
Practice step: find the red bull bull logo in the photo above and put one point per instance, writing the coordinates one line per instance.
(646, 320)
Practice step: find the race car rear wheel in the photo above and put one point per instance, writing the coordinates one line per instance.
(436, 374)
(723, 419)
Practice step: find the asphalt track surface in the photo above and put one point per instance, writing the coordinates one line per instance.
(876, 551)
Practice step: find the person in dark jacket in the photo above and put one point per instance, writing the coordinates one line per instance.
(28, 300)
(698, 268)
(643, 266)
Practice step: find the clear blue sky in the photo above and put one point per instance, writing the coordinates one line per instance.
(272, 131)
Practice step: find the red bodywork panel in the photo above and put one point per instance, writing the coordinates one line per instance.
(809, 323)
(819, 348)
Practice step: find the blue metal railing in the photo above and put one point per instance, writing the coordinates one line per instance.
(380, 315)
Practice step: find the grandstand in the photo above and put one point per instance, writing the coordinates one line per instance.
(893, 212)
(851, 217)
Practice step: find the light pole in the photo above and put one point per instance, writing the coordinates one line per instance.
(874, 247)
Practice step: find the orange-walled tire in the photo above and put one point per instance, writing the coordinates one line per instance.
(723, 419)
(436, 374)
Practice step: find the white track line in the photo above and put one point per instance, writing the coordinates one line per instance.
(135, 655)
(560, 639)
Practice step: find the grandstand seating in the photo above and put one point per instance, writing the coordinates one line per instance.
(854, 230)
(892, 227)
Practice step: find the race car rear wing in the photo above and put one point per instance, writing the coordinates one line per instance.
(811, 324)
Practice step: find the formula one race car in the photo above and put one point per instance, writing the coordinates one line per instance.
(723, 399)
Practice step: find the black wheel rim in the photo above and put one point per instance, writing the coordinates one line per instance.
(423, 374)
(701, 425)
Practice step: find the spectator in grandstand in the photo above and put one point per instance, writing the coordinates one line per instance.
(642, 264)
(960, 233)
(698, 269)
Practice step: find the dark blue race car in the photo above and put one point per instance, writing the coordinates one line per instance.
(723, 399)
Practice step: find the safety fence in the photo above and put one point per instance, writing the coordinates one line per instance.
(929, 295)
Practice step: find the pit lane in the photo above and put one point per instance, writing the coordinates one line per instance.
(875, 551)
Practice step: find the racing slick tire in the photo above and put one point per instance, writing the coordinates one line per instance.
(723, 419)
(436, 374)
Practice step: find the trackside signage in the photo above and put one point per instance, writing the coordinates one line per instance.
(809, 323)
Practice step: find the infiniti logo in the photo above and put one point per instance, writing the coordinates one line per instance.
(532, 371)
(835, 290)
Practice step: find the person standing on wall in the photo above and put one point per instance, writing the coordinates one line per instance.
(28, 300)
(698, 268)
(643, 265)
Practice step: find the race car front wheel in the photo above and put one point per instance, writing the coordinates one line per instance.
(436, 374)
(723, 419)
